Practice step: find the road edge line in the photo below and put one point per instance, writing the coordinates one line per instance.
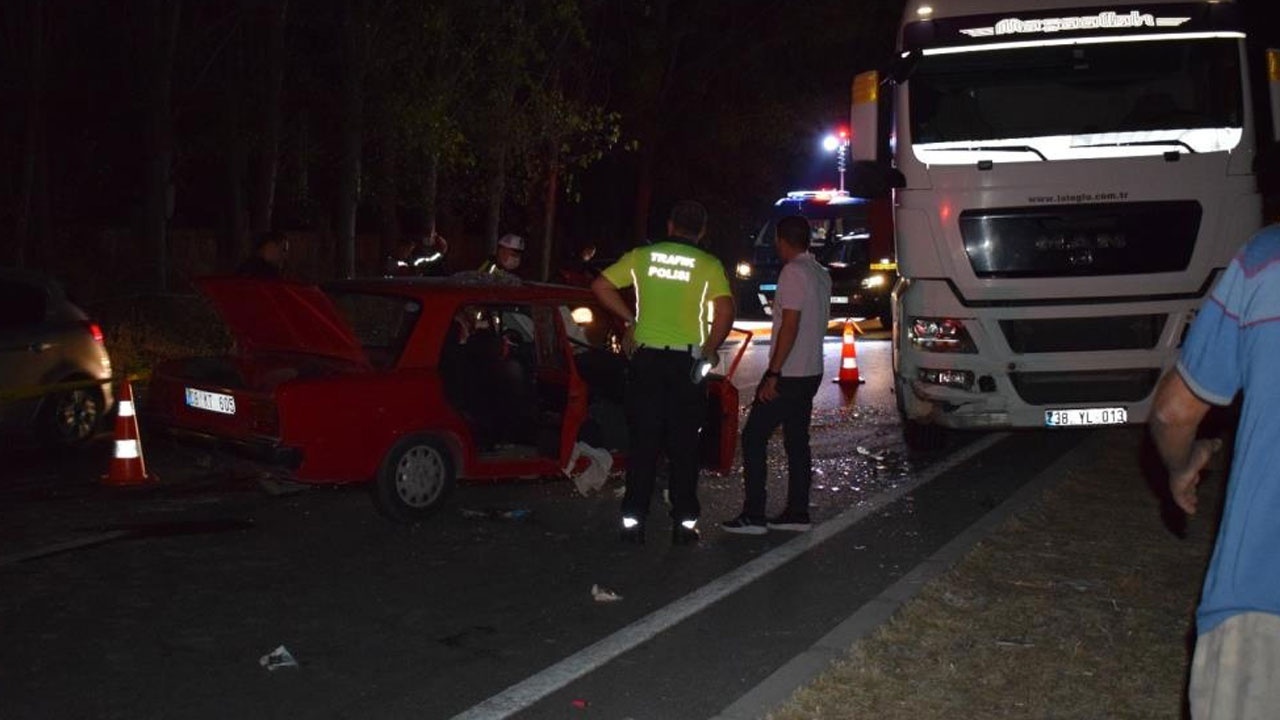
(525, 693)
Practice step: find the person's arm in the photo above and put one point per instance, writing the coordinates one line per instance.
(788, 329)
(721, 324)
(1175, 415)
(607, 293)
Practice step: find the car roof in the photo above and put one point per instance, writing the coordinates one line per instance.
(473, 287)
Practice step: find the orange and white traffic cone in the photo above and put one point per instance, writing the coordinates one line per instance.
(848, 357)
(127, 466)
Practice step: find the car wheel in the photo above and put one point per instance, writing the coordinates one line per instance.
(416, 476)
(72, 416)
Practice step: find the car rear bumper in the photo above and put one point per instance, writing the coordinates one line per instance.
(266, 452)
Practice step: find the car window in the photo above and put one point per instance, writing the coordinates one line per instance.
(22, 304)
(381, 323)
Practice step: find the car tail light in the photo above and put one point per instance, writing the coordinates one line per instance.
(95, 330)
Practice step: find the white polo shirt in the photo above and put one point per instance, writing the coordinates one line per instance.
(804, 285)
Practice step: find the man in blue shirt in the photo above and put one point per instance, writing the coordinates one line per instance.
(1233, 346)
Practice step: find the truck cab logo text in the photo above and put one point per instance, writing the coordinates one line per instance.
(671, 267)
(1108, 20)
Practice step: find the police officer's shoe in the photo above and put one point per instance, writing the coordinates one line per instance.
(685, 532)
(632, 531)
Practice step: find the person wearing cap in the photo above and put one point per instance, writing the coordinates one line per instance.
(684, 310)
(506, 259)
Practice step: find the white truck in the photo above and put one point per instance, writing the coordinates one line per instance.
(1069, 183)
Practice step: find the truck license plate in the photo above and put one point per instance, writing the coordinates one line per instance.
(213, 402)
(1079, 417)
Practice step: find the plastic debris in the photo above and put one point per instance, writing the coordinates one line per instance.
(599, 463)
(278, 658)
(874, 456)
(496, 513)
(604, 595)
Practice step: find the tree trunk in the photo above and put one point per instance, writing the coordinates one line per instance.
(268, 165)
(234, 242)
(33, 219)
(352, 120)
(497, 187)
(431, 201)
(158, 203)
(549, 205)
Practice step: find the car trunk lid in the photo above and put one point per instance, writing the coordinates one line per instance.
(269, 316)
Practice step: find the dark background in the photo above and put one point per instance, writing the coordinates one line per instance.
(144, 142)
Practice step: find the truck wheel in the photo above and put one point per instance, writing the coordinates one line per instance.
(923, 437)
(415, 478)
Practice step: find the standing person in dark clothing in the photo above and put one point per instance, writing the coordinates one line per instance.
(267, 260)
(785, 394)
(677, 284)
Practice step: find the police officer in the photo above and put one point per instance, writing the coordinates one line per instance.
(506, 259)
(684, 312)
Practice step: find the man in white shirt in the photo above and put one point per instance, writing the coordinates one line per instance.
(785, 394)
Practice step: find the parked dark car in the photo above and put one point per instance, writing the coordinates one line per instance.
(50, 354)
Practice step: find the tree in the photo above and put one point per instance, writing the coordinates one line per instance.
(161, 32)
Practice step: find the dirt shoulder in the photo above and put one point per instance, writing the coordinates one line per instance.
(1079, 606)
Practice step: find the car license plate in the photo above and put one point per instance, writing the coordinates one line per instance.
(839, 299)
(213, 402)
(1080, 417)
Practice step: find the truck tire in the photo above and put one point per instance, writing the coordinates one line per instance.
(416, 477)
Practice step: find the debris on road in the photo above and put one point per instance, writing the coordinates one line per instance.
(278, 658)
(604, 594)
(496, 513)
(599, 464)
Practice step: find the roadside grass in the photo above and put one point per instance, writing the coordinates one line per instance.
(142, 331)
(1080, 606)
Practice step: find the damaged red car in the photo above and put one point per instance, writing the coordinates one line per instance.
(413, 384)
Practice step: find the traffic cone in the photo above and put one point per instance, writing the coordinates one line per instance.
(127, 466)
(848, 357)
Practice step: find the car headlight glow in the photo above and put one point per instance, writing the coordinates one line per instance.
(873, 282)
(742, 270)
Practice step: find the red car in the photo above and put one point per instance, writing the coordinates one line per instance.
(412, 383)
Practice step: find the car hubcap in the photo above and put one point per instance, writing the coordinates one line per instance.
(420, 476)
(77, 414)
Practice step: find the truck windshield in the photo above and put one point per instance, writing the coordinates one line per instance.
(1074, 101)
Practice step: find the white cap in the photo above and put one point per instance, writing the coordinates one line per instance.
(512, 242)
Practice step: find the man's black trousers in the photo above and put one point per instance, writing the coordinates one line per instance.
(665, 411)
(792, 410)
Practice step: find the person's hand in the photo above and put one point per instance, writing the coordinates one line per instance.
(1183, 483)
(629, 340)
(767, 390)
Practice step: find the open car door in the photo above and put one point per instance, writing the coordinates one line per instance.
(720, 426)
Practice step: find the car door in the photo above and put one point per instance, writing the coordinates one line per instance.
(719, 442)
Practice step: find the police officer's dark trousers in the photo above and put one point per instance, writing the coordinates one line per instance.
(665, 411)
(792, 410)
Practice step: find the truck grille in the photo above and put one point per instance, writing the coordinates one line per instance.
(1081, 240)
(1097, 386)
(1120, 332)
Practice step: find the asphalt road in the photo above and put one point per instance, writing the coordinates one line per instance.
(160, 602)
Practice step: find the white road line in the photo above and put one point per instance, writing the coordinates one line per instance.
(63, 547)
(524, 694)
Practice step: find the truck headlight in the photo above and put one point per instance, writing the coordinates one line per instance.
(940, 335)
(874, 282)
(742, 270)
